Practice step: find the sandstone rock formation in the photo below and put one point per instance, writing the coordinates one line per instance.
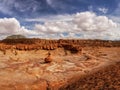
(76, 64)
(72, 45)
(48, 59)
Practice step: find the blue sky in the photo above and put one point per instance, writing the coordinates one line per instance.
(38, 8)
(33, 15)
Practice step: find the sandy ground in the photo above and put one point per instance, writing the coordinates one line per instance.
(26, 70)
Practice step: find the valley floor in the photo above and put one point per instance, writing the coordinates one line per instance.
(90, 69)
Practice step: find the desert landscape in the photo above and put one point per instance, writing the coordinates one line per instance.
(59, 44)
(64, 64)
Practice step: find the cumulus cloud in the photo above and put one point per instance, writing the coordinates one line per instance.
(115, 18)
(83, 25)
(10, 26)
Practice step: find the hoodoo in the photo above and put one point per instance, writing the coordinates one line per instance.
(48, 59)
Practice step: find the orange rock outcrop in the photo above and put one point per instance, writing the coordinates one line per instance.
(76, 64)
(68, 44)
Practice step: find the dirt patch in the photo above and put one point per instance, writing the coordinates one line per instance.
(75, 65)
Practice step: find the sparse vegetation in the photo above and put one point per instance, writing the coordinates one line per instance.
(15, 37)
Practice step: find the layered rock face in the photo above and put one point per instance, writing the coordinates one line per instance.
(74, 64)
(73, 45)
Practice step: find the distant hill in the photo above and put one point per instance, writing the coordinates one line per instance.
(15, 37)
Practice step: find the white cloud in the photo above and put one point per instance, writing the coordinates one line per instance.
(9, 6)
(87, 24)
(28, 6)
(53, 18)
(103, 10)
(81, 25)
(115, 18)
(10, 26)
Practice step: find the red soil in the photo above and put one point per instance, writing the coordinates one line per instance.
(75, 65)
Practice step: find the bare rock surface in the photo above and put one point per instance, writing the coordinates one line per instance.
(70, 66)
